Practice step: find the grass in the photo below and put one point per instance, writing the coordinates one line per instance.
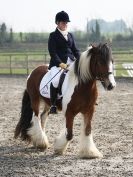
(123, 57)
(13, 71)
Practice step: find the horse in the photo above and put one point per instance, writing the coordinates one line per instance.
(79, 95)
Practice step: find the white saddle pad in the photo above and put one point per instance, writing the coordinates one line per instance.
(45, 85)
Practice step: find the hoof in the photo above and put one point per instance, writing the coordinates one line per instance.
(42, 147)
(90, 154)
(60, 144)
(42, 143)
(58, 152)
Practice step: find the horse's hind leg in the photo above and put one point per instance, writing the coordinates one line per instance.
(36, 133)
(62, 141)
(87, 147)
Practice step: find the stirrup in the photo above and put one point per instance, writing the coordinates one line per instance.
(53, 110)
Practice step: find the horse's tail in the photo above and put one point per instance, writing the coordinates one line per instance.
(25, 119)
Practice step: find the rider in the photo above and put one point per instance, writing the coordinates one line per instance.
(63, 51)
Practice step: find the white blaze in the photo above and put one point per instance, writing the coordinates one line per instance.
(111, 76)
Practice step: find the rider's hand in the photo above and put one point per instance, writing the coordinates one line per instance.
(63, 65)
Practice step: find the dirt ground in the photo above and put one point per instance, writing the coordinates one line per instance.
(112, 129)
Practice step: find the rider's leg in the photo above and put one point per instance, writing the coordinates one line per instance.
(54, 89)
(53, 98)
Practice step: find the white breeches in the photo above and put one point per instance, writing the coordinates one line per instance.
(55, 70)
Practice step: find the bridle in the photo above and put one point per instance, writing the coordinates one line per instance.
(97, 75)
(101, 76)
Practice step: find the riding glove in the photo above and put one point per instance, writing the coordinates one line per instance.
(63, 65)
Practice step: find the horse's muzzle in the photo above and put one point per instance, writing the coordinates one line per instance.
(110, 86)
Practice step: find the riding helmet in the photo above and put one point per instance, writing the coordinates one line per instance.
(62, 16)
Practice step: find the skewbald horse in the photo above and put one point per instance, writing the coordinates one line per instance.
(79, 92)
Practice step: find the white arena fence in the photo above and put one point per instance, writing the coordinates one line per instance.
(25, 62)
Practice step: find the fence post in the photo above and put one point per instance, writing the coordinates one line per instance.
(45, 56)
(27, 62)
(10, 56)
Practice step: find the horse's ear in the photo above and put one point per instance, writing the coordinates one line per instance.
(108, 43)
(89, 47)
(93, 45)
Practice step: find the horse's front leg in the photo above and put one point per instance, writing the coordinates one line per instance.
(87, 146)
(62, 141)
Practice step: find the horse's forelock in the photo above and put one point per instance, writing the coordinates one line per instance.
(105, 53)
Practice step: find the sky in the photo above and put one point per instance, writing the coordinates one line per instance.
(39, 15)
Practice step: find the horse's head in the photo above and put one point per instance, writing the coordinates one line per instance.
(102, 65)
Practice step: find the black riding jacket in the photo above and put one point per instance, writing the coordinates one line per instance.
(60, 48)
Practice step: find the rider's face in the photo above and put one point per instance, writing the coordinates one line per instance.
(62, 25)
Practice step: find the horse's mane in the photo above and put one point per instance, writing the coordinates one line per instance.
(82, 66)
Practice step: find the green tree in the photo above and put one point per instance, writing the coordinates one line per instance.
(11, 35)
(97, 32)
(21, 36)
(3, 33)
(92, 35)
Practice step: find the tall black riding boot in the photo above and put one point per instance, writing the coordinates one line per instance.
(53, 97)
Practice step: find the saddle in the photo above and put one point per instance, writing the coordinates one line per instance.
(45, 84)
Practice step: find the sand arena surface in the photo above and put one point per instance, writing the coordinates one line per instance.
(112, 129)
